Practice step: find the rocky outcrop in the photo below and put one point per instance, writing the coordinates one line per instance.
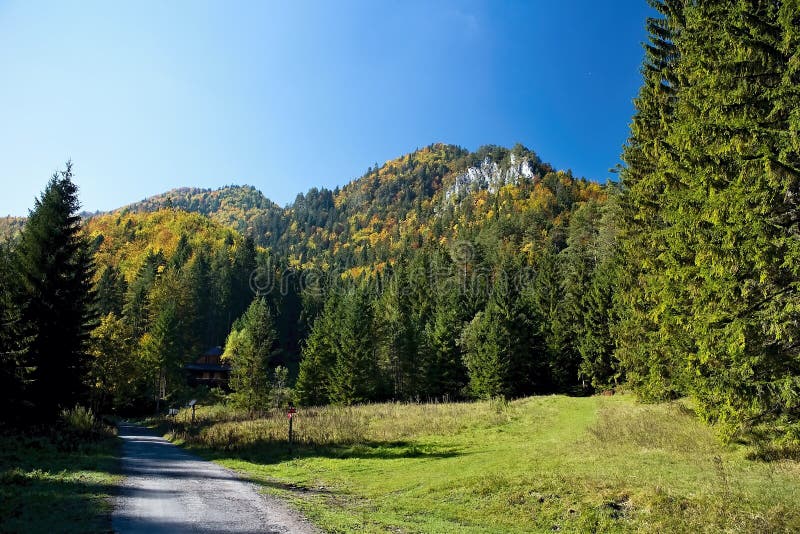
(490, 176)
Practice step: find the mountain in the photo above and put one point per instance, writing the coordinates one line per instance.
(242, 208)
(10, 227)
(438, 194)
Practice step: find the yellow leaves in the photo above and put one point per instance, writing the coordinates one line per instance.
(541, 199)
(592, 191)
(129, 237)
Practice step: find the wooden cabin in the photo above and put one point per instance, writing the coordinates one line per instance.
(209, 369)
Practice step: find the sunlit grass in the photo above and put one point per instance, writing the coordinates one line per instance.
(538, 464)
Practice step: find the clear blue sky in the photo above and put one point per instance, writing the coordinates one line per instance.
(148, 96)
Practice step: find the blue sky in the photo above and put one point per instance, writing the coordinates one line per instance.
(148, 96)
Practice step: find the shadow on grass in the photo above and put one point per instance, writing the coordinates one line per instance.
(55, 505)
(44, 488)
(775, 453)
(273, 452)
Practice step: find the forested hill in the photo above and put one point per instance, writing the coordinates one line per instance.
(10, 227)
(438, 194)
(417, 277)
(242, 208)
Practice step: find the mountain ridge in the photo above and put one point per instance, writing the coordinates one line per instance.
(435, 196)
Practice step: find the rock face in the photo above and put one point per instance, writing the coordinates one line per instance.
(489, 175)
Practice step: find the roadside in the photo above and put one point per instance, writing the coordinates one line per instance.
(52, 483)
(166, 489)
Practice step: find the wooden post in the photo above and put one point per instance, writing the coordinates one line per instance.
(192, 404)
(290, 413)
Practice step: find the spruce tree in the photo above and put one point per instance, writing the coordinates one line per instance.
(444, 371)
(649, 344)
(319, 357)
(546, 304)
(733, 259)
(354, 378)
(398, 335)
(248, 349)
(710, 212)
(14, 374)
(110, 290)
(55, 267)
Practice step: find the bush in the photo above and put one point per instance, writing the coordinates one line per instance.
(79, 420)
(78, 427)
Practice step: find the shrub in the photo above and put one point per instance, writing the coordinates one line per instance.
(79, 420)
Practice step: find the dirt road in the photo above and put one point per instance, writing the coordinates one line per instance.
(169, 490)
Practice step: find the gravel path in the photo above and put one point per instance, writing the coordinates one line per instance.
(167, 489)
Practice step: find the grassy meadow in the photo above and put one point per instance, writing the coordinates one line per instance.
(543, 464)
(57, 480)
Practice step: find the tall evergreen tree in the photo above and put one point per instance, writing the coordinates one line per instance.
(110, 290)
(397, 334)
(135, 309)
(444, 372)
(248, 349)
(354, 376)
(55, 266)
(734, 272)
(599, 302)
(14, 374)
(546, 303)
(648, 344)
(319, 357)
(711, 214)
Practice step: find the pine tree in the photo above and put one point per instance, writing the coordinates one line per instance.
(397, 342)
(162, 354)
(53, 259)
(354, 376)
(483, 342)
(734, 271)
(319, 357)
(110, 290)
(444, 371)
(14, 375)
(546, 304)
(601, 301)
(136, 310)
(648, 342)
(710, 214)
(503, 349)
(248, 349)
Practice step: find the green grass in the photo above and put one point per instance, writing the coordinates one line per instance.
(54, 483)
(542, 464)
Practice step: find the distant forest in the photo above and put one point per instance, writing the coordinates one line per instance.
(450, 274)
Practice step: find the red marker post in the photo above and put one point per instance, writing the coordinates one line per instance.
(290, 414)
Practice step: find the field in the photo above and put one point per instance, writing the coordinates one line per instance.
(56, 483)
(539, 464)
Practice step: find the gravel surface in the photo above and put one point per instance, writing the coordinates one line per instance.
(167, 489)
